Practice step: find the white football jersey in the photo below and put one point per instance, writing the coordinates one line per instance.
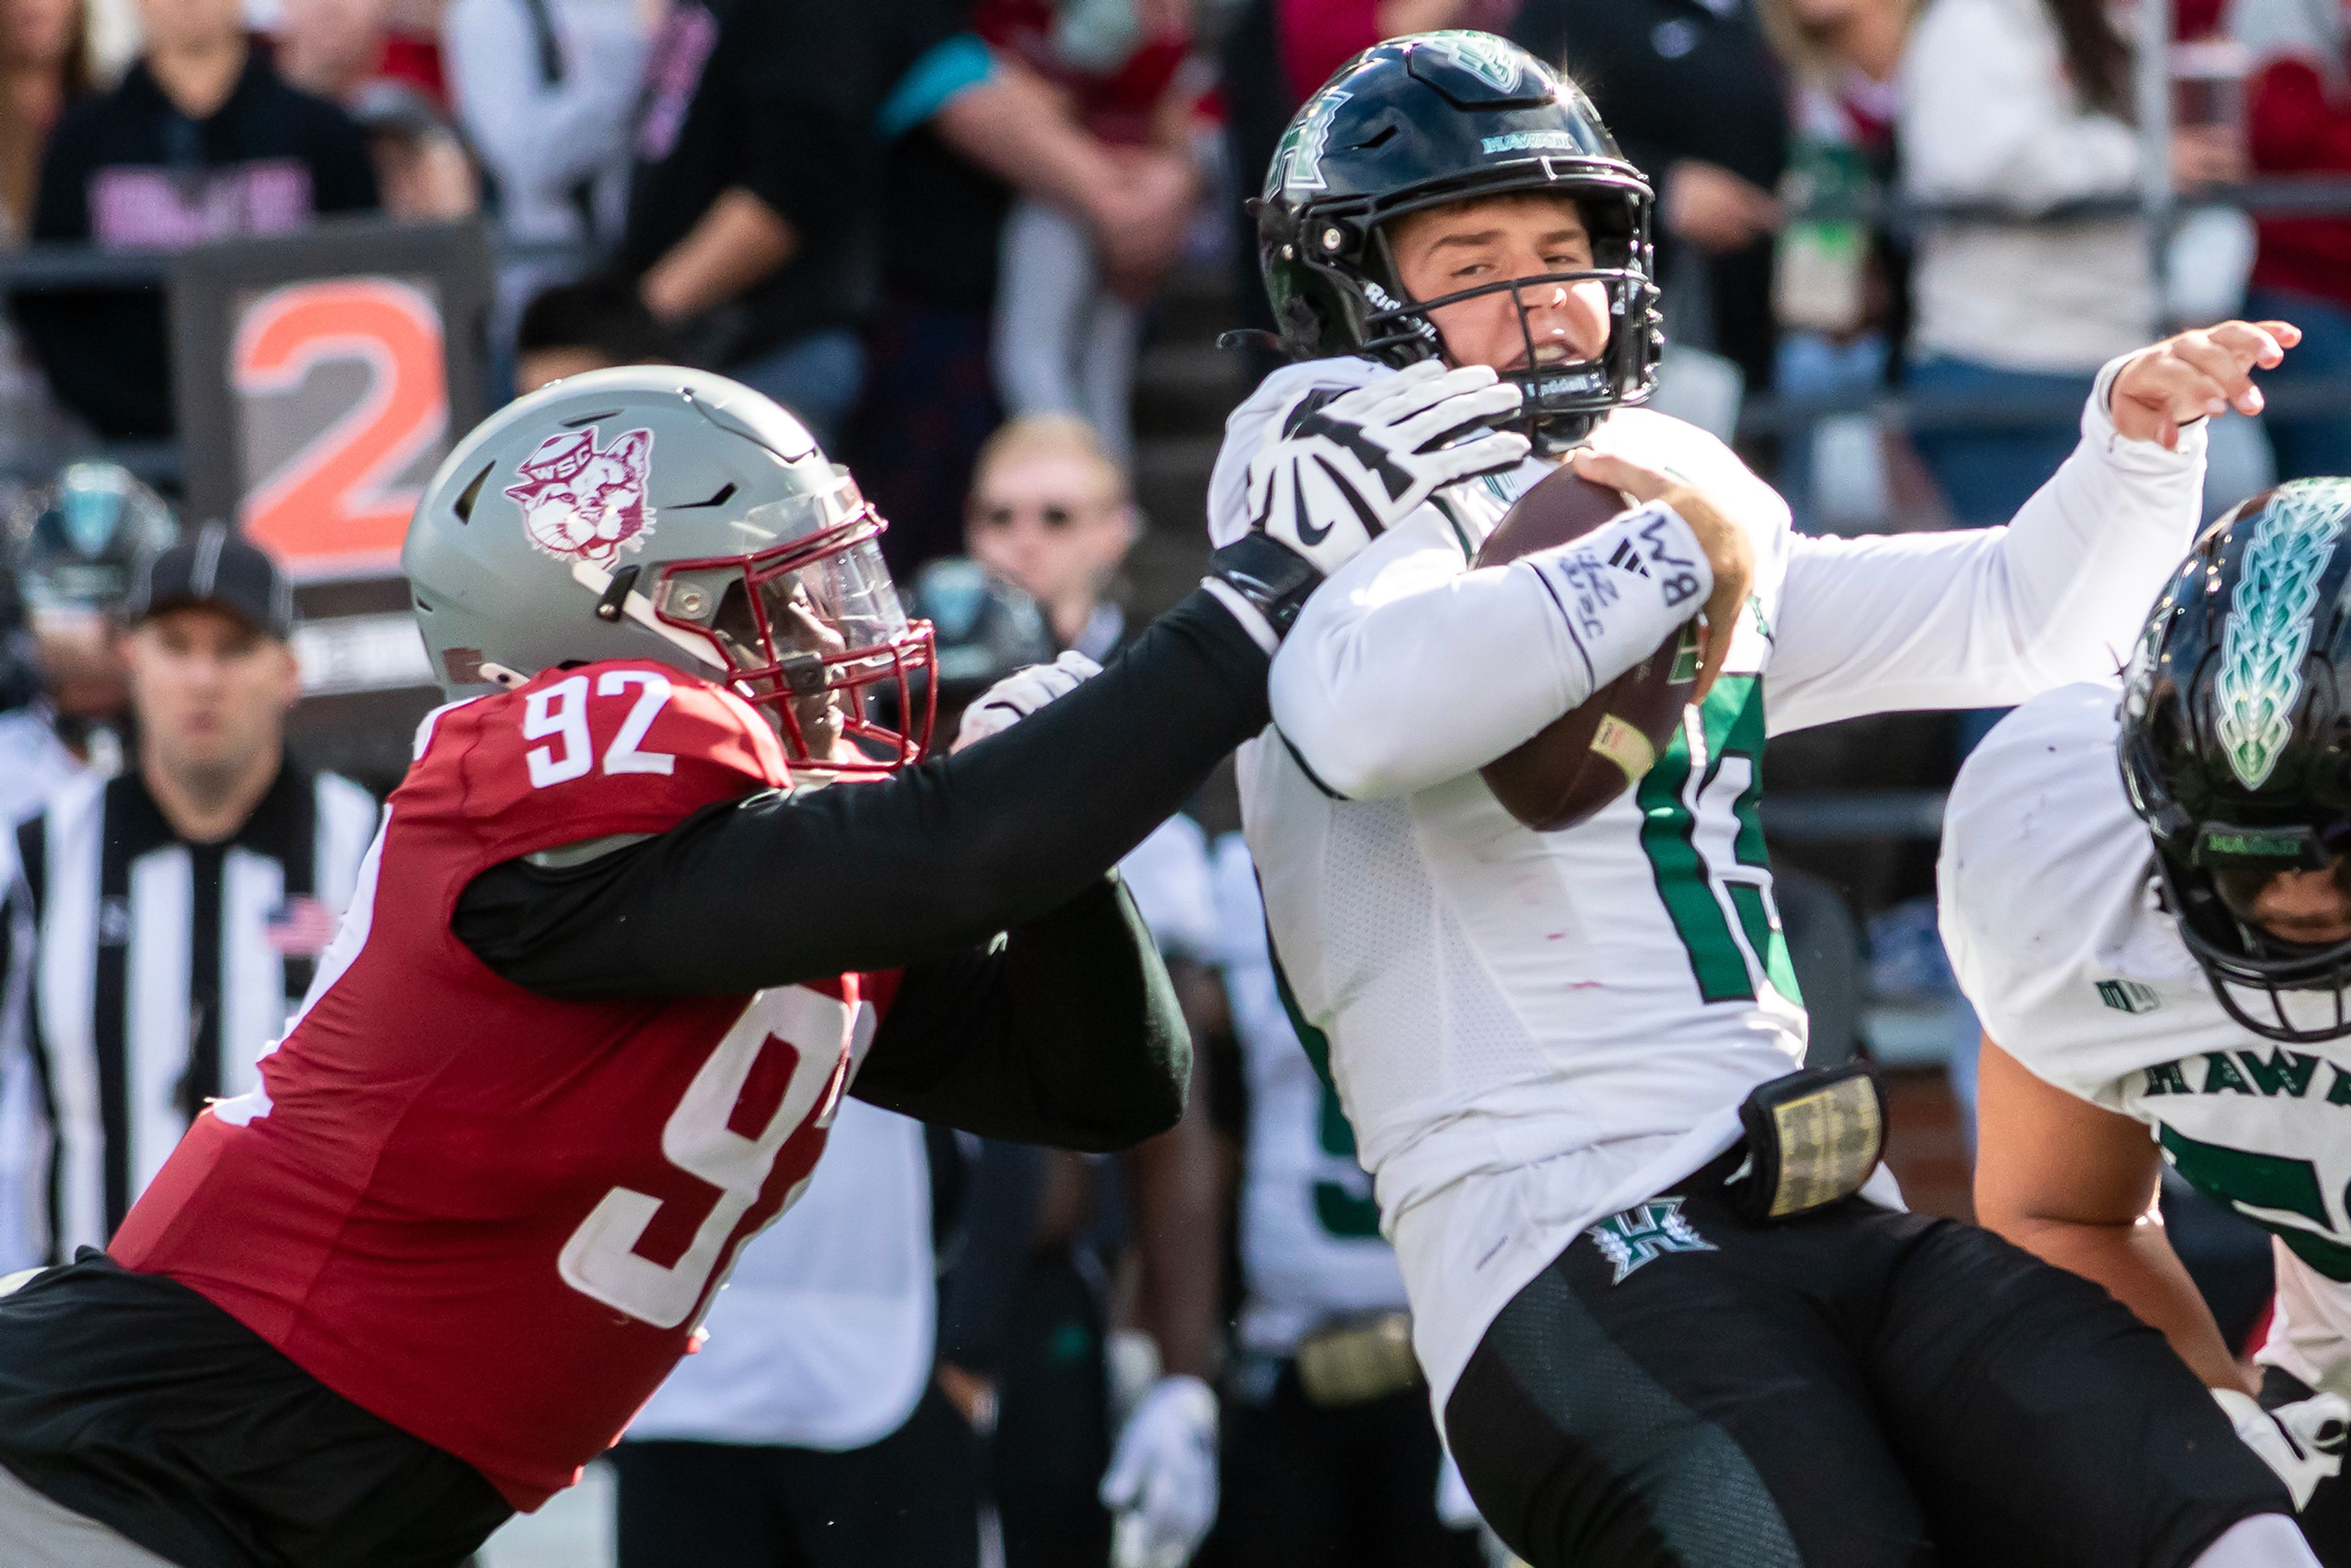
(1529, 1030)
(823, 1335)
(1309, 1228)
(2049, 907)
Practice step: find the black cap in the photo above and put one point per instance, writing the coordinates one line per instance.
(216, 569)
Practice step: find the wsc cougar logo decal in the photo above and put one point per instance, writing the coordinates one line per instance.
(579, 503)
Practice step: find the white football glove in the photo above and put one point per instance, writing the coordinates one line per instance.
(1020, 693)
(2303, 1442)
(1341, 469)
(1162, 1480)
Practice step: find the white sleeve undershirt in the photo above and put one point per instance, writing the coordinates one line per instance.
(1990, 617)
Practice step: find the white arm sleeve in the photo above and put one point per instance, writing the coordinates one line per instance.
(1990, 617)
(1407, 668)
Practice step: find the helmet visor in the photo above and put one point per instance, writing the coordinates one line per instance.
(806, 629)
(2244, 890)
(2281, 987)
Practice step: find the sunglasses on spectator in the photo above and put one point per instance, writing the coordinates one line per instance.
(1056, 515)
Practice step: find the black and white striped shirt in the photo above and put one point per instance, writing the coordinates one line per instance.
(142, 975)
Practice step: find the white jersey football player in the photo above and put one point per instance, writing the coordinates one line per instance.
(1659, 1323)
(2183, 999)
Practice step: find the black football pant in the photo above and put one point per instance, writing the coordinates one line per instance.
(910, 1500)
(1354, 1486)
(2326, 1519)
(1856, 1389)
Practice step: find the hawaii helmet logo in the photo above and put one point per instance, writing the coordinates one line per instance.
(1494, 61)
(1298, 161)
(2270, 625)
(583, 503)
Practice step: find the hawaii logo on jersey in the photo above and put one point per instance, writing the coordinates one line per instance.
(583, 503)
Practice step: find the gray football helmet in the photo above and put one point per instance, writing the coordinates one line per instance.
(665, 514)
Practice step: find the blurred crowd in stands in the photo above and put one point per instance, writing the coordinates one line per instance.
(944, 232)
(911, 221)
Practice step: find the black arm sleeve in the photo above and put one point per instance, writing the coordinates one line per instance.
(1068, 1033)
(786, 887)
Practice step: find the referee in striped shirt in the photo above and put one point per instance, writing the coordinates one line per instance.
(162, 923)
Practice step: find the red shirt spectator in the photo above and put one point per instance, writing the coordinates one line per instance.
(413, 59)
(2298, 111)
(1116, 104)
(2301, 125)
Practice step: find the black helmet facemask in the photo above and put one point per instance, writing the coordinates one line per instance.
(1564, 397)
(2252, 972)
(1443, 118)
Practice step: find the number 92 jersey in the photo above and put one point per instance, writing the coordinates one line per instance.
(2050, 912)
(493, 1219)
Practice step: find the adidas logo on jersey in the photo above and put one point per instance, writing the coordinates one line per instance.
(2128, 996)
(1645, 1233)
(1627, 559)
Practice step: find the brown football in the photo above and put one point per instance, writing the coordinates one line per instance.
(1589, 756)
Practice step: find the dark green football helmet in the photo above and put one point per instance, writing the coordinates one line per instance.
(1433, 118)
(2236, 747)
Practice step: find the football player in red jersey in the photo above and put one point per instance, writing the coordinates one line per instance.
(626, 937)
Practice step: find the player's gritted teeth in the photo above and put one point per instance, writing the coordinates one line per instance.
(1549, 354)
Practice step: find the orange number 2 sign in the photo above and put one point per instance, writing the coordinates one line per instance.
(332, 509)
